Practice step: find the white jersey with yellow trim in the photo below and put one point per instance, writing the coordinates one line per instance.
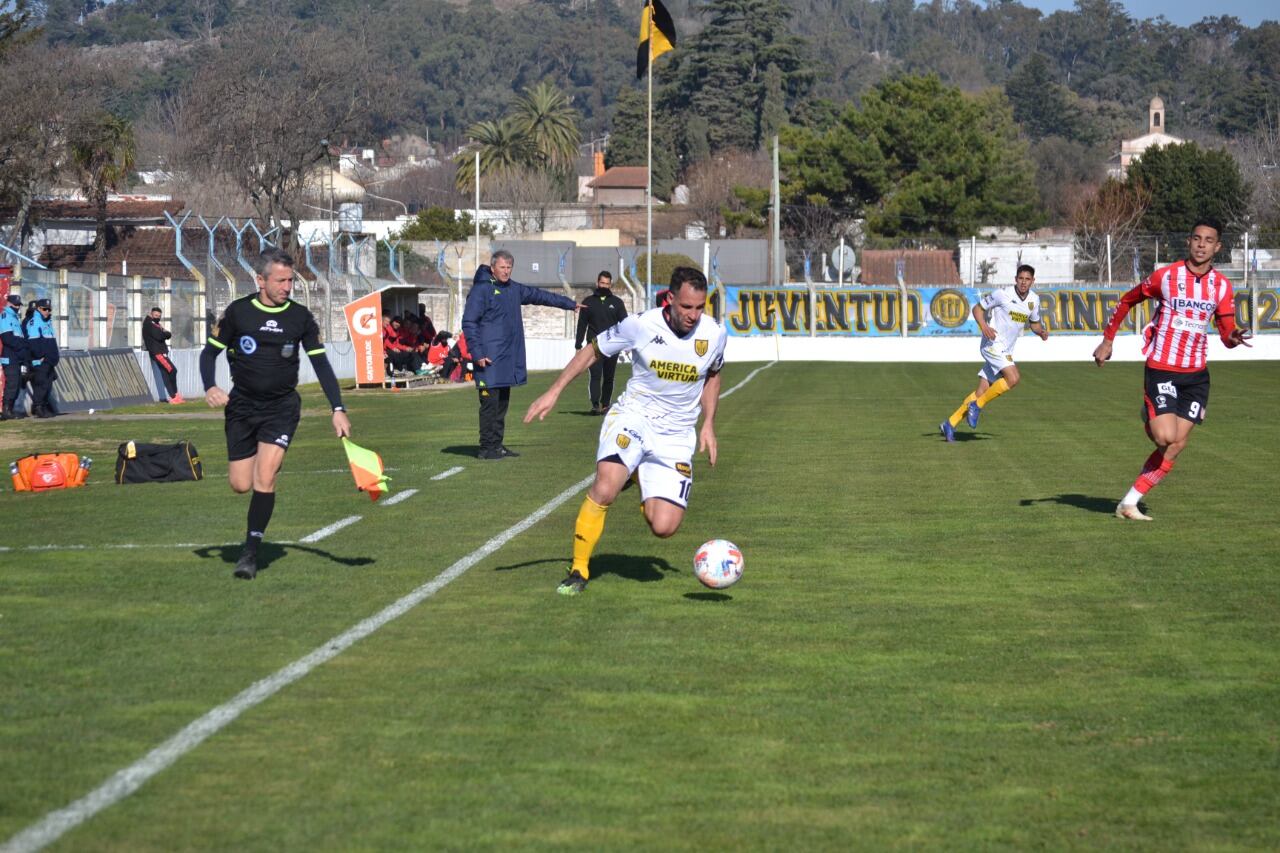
(667, 372)
(1009, 314)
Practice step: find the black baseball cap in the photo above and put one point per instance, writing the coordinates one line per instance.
(44, 303)
(15, 299)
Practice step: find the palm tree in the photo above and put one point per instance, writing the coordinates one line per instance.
(546, 116)
(503, 150)
(103, 153)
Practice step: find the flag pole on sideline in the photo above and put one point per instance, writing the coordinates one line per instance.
(657, 36)
(648, 190)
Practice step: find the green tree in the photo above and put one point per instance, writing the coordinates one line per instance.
(548, 120)
(628, 146)
(773, 108)
(102, 150)
(920, 159)
(722, 74)
(1042, 106)
(439, 223)
(15, 24)
(503, 150)
(540, 134)
(1187, 183)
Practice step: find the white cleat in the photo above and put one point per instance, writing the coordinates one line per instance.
(1131, 513)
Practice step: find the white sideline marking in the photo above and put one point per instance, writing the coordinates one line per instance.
(330, 529)
(125, 546)
(402, 496)
(750, 376)
(124, 782)
(448, 473)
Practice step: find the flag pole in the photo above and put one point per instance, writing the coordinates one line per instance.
(648, 190)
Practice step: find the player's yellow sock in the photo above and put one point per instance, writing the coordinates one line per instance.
(958, 414)
(997, 388)
(586, 534)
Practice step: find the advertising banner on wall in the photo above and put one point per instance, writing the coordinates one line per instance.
(934, 311)
(364, 320)
(99, 379)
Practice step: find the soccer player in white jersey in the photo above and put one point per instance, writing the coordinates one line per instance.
(677, 353)
(1001, 316)
(1188, 295)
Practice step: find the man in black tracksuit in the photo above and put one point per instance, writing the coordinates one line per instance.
(600, 311)
(155, 338)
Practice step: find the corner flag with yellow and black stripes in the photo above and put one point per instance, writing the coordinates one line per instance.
(657, 35)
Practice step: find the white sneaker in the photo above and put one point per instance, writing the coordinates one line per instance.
(1130, 512)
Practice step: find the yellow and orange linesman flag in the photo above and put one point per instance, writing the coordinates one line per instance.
(366, 467)
(657, 35)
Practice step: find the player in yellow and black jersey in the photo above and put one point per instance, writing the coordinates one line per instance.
(264, 336)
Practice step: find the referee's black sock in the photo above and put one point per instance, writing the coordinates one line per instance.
(260, 508)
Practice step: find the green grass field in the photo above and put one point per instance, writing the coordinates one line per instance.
(933, 646)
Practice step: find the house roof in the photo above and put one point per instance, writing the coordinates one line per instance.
(920, 266)
(151, 252)
(139, 211)
(622, 178)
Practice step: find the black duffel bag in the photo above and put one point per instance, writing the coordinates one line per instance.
(158, 463)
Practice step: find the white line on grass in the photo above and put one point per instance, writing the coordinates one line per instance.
(448, 473)
(124, 546)
(53, 825)
(402, 496)
(750, 376)
(124, 782)
(330, 529)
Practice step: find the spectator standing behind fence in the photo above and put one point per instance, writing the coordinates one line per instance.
(42, 347)
(155, 338)
(494, 328)
(601, 310)
(14, 356)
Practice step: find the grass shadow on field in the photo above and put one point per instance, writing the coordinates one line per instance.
(269, 552)
(708, 596)
(1103, 505)
(960, 436)
(461, 450)
(629, 566)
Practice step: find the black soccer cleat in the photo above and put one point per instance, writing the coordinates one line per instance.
(574, 584)
(247, 566)
(507, 451)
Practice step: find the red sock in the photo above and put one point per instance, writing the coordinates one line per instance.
(1153, 471)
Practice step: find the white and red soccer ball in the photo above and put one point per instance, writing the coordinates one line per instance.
(718, 564)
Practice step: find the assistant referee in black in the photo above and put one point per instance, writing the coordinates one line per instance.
(600, 310)
(263, 336)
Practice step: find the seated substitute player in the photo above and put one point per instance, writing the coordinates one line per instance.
(1176, 378)
(677, 353)
(1001, 315)
(263, 336)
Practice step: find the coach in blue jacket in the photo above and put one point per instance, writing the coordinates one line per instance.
(494, 328)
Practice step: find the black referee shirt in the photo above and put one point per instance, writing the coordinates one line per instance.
(263, 345)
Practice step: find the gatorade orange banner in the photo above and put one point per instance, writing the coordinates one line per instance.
(364, 319)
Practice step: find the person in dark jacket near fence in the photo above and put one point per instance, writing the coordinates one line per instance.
(155, 338)
(600, 310)
(42, 347)
(494, 329)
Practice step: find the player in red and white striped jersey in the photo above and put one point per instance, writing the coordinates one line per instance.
(1189, 295)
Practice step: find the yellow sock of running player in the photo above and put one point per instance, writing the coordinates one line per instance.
(958, 414)
(586, 534)
(997, 388)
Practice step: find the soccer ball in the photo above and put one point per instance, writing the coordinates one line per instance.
(718, 563)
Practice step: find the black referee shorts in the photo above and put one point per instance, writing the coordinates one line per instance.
(1171, 392)
(252, 421)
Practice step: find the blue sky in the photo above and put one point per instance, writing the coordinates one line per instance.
(1181, 12)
